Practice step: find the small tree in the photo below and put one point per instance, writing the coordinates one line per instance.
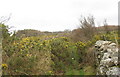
(4, 31)
(88, 27)
(5, 38)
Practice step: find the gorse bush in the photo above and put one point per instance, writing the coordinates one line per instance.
(29, 56)
(64, 54)
(81, 50)
(4, 31)
(36, 63)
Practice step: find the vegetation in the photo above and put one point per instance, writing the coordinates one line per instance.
(47, 53)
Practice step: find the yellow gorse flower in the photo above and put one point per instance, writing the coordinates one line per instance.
(28, 55)
(4, 65)
(66, 46)
(41, 44)
(50, 71)
(22, 46)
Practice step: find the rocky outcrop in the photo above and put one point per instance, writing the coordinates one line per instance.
(107, 58)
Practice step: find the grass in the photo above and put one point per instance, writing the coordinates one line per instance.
(74, 72)
(89, 70)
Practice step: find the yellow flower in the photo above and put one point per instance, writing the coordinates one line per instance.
(50, 71)
(66, 46)
(4, 65)
(14, 43)
(41, 44)
(22, 46)
(28, 55)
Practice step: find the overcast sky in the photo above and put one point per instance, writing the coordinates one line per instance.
(57, 15)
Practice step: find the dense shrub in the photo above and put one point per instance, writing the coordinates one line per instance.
(29, 56)
(4, 31)
(64, 54)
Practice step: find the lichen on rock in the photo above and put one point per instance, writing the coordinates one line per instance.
(107, 58)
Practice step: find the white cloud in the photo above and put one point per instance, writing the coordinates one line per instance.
(54, 15)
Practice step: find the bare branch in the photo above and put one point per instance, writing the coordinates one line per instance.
(4, 19)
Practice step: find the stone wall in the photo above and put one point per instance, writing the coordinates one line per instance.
(107, 58)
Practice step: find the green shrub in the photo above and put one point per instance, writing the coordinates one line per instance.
(81, 50)
(64, 54)
(29, 57)
(35, 63)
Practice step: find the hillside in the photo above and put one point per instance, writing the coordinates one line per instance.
(32, 52)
